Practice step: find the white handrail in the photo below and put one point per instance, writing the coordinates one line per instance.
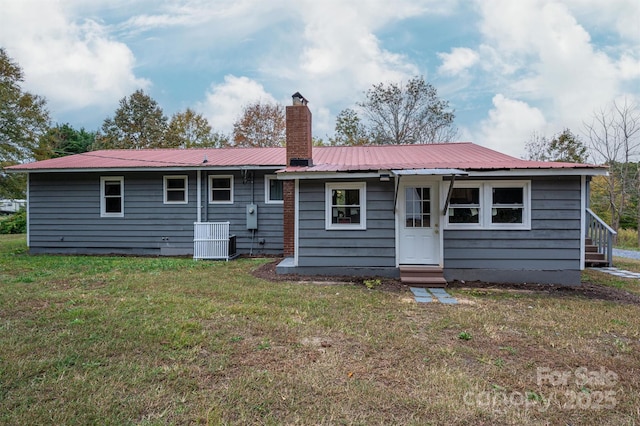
(601, 235)
(601, 222)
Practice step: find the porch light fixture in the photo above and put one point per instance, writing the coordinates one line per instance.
(385, 177)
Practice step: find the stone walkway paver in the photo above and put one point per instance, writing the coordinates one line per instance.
(440, 294)
(421, 295)
(619, 272)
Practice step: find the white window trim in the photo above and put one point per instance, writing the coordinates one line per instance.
(526, 201)
(166, 190)
(267, 190)
(362, 187)
(486, 205)
(103, 206)
(211, 178)
(481, 212)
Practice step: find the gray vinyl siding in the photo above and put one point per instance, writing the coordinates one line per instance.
(553, 243)
(64, 215)
(270, 216)
(373, 247)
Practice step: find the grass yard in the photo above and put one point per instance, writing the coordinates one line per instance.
(125, 340)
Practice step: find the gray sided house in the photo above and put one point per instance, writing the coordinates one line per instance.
(425, 213)
(148, 201)
(435, 213)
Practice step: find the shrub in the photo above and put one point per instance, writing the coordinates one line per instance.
(15, 223)
(627, 238)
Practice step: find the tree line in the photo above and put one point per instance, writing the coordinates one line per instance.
(408, 112)
(392, 113)
(610, 137)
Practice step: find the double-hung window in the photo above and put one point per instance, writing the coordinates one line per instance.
(507, 205)
(176, 190)
(490, 205)
(112, 196)
(273, 190)
(464, 206)
(221, 189)
(345, 205)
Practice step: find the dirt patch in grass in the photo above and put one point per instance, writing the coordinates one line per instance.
(268, 272)
(587, 290)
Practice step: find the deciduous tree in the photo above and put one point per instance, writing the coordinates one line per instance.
(410, 113)
(189, 129)
(349, 129)
(614, 138)
(137, 123)
(23, 118)
(564, 147)
(260, 125)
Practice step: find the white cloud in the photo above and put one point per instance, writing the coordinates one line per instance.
(509, 125)
(619, 16)
(460, 59)
(74, 64)
(539, 52)
(224, 102)
(333, 52)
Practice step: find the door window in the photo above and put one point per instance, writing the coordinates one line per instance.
(417, 207)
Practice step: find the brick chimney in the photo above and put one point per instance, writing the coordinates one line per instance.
(299, 153)
(298, 134)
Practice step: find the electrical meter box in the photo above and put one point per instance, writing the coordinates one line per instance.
(252, 216)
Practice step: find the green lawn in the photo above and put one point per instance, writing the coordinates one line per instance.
(125, 340)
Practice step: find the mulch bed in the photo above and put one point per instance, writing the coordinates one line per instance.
(586, 290)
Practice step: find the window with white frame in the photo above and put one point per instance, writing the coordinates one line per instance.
(345, 205)
(273, 190)
(221, 189)
(464, 206)
(490, 205)
(112, 196)
(176, 190)
(507, 205)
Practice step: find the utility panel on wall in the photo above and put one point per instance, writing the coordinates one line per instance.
(252, 216)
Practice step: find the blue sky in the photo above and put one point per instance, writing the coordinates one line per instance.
(509, 68)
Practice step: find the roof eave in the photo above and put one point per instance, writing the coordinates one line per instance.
(143, 169)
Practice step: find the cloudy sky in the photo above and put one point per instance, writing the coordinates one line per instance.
(508, 68)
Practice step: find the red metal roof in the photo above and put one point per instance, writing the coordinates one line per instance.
(462, 155)
(163, 158)
(465, 155)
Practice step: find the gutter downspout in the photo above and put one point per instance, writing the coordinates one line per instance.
(199, 196)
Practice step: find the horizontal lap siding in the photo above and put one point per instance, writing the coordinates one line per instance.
(373, 247)
(553, 243)
(64, 215)
(270, 228)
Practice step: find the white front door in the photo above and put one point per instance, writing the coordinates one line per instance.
(418, 223)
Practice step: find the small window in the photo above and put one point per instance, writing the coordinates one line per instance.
(464, 206)
(175, 190)
(273, 190)
(112, 196)
(345, 205)
(507, 205)
(221, 189)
